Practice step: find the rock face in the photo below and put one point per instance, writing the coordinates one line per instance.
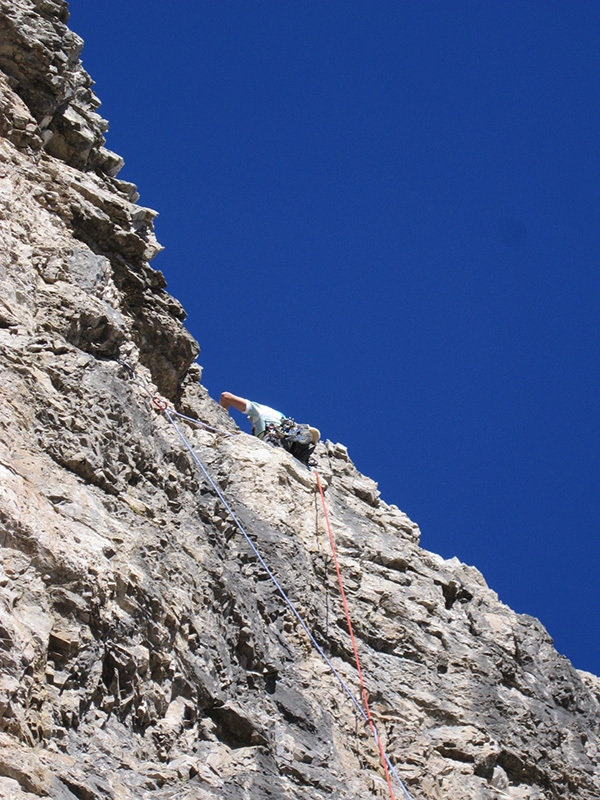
(144, 652)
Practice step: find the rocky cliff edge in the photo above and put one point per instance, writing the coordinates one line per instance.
(144, 653)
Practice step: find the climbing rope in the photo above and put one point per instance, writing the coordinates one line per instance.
(170, 414)
(202, 424)
(161, 405)
(353, 639)
(364, 713)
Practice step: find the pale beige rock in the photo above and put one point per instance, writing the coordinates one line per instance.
(144, 653)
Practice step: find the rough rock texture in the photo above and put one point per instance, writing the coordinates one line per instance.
(143, 652)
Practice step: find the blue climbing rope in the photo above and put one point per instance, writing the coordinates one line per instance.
(169, 414)
(163, 407)
(202, 424)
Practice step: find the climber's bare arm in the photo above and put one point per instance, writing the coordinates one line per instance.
(227, 400)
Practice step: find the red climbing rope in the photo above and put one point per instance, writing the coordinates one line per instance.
(353, 640)
(170, 414)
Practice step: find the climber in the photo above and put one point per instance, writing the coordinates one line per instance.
(260, 416)
(274, 427)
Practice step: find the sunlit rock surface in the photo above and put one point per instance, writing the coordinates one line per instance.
(144, 653)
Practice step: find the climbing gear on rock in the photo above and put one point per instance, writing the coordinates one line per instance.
(161, 405)
(297, 439)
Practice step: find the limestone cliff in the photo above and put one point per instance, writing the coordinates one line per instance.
(143, 651)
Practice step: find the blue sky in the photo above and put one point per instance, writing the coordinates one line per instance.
(382, 218)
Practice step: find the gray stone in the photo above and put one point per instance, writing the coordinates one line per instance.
(89, 271)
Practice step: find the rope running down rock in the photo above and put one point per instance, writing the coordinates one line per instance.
(388, 766)
(353, 640)
(170, 414)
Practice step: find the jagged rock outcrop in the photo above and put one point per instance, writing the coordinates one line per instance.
(143, 653)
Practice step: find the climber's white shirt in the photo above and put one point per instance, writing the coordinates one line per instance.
(260, 416)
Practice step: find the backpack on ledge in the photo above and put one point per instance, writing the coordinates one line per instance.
(294, 437)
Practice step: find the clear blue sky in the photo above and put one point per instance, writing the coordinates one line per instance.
(382, 217)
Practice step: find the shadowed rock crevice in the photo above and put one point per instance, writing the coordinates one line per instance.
(454, 593)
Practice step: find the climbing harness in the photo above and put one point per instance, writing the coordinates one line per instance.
(170, 414)
(294, 437)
